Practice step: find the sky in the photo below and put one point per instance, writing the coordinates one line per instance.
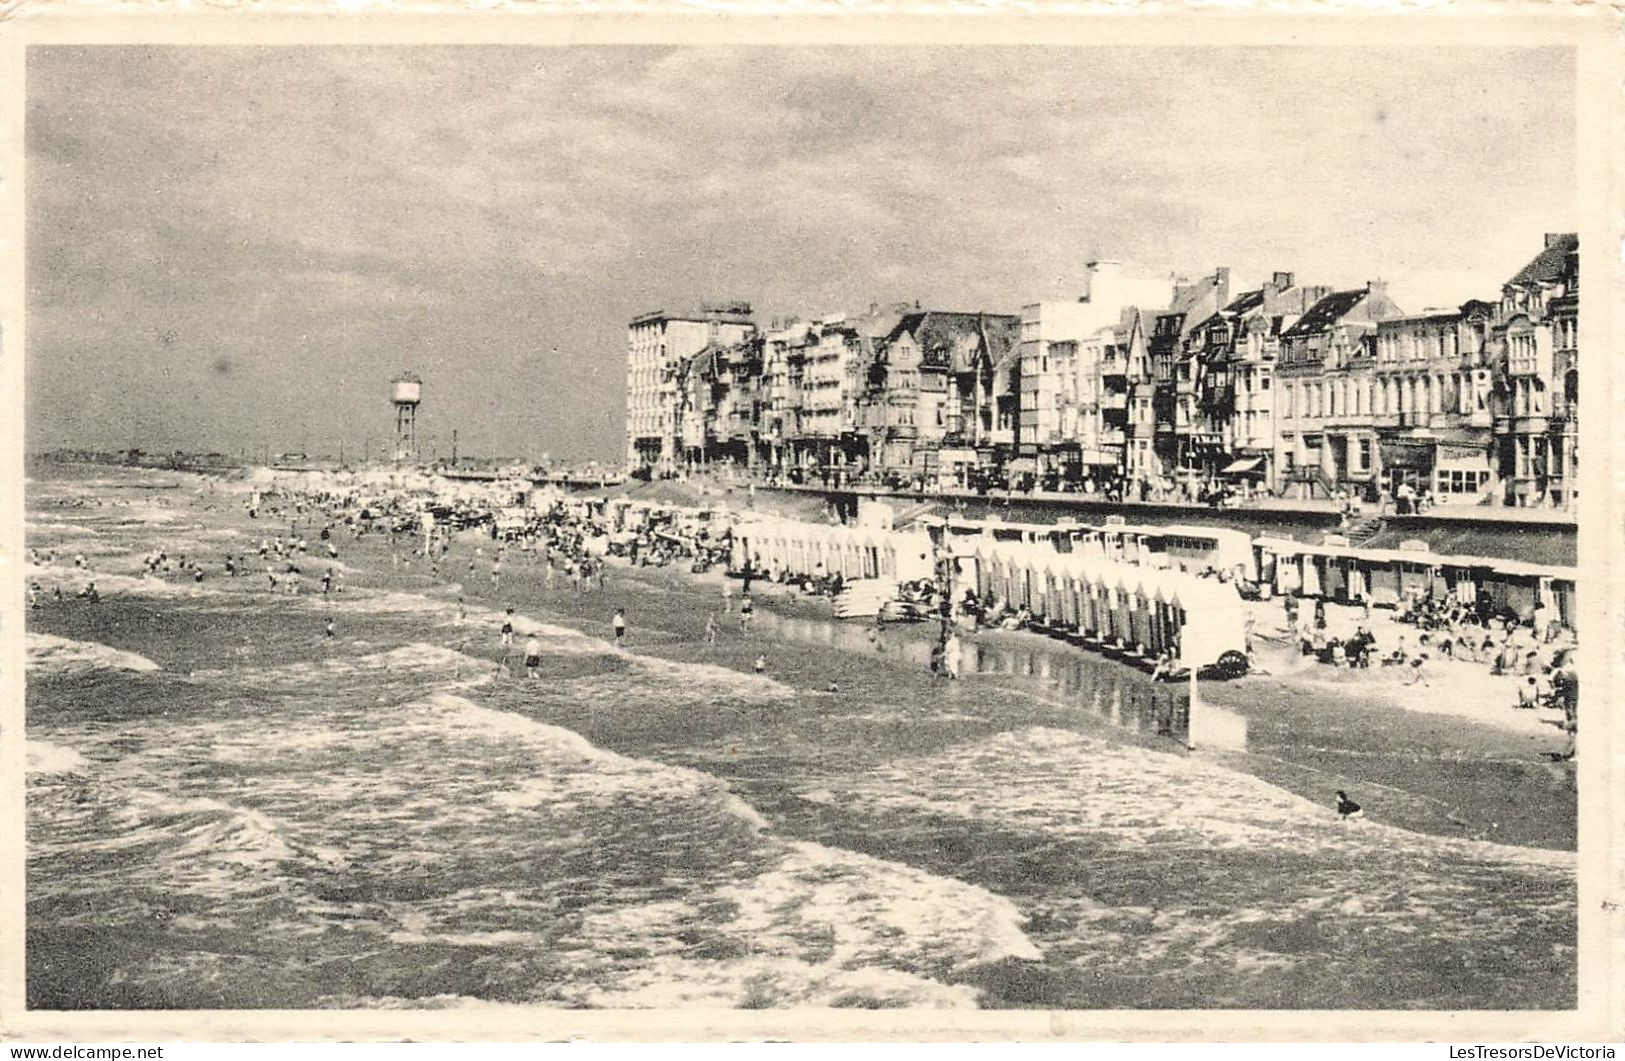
(235, 249)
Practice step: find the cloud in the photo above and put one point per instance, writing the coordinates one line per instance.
(319, 218)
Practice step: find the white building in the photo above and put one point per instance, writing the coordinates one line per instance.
(1062, 345)
(656, 343)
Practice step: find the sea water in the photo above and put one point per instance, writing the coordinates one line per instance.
(228, 809)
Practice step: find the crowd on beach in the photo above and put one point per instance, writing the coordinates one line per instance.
(572, 543)
(1422, 635)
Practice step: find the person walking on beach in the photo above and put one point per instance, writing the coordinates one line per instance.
(533, 657)
(711, 629)
(619, 624)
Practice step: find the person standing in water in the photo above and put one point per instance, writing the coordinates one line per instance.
(533, 657)
(746, 611)
(950, 655)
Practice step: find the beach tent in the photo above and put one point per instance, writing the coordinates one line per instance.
(1285, 558)
(1310, 582)
(1215, 621)
(913, 556)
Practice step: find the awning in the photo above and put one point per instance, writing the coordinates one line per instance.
(1238, 467)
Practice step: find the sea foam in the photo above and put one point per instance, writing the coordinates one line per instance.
(50, 655)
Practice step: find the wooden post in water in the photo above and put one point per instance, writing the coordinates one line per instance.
(1192, 709)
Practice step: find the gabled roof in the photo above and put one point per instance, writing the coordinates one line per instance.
(705, 362)
(962, 334)
(1551, 264)
(1327, 312)
(1239, 306)
(1245, 302)
(1003, 340)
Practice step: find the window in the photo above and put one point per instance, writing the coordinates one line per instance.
(1363, 453)
(1263, 383)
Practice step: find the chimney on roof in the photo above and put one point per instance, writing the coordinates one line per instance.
(1281, 281)
(1377, 287)
(1554, 238)
(1221, 283)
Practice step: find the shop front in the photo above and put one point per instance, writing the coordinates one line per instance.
(1461, 473)
(1407, 462)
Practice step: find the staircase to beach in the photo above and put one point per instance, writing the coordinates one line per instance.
(1363, 530)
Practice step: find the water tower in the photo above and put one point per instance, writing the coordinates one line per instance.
(405, 392)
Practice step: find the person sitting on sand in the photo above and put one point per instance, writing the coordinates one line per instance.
(1529, 693)
(760, 665)
(1347, 808)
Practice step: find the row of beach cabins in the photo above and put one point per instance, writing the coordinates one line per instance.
(1332, 570)
(1132, 591)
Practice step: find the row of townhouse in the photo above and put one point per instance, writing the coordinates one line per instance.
(1148, 388)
